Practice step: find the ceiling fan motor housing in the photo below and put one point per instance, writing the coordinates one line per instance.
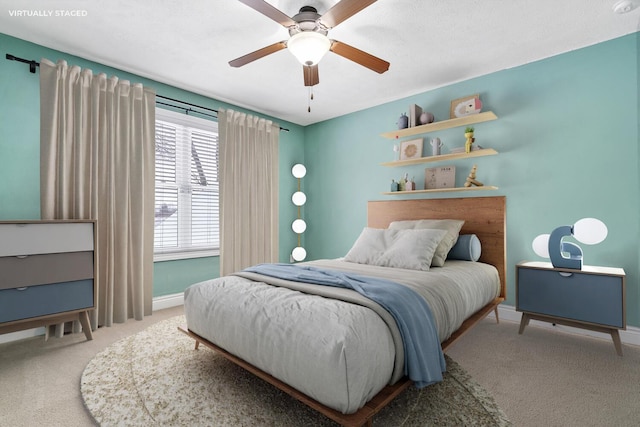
(308, 19)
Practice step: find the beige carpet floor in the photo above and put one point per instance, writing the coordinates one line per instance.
(550, 378)
(541, 378)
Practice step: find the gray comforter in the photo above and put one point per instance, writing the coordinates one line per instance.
(336, 346)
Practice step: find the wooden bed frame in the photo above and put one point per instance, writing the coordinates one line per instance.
(484, 216)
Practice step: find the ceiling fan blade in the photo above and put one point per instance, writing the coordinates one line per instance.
(311, 76)
(250, 57)
(343, 10)
(356, 55)
(270, 12)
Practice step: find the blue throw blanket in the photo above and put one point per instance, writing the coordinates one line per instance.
(423, 358)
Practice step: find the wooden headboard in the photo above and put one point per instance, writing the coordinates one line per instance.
(483, 216)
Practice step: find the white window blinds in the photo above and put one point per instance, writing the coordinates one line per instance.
(187, 192)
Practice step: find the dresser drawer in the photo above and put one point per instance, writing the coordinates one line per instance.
(592, 298)
(33, 301)
(45, 237)
(20, 271)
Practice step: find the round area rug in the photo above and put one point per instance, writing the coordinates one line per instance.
(157, 378)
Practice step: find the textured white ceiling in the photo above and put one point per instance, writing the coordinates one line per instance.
(429, 43)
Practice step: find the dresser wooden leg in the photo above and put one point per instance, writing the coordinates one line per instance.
(86, 325)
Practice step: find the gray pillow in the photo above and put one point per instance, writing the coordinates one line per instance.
(452, 226)
(410, 249)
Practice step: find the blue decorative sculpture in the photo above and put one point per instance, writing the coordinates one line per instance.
(558, 249)
(567, 254)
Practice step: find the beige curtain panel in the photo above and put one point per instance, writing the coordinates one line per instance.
(97, 160)
(248, 190)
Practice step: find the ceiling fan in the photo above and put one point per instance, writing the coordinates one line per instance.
(308, 40)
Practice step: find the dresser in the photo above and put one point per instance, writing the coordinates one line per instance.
(47, 273)
(592, 298)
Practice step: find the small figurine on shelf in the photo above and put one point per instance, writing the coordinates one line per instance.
(471, 179)
(436, 145)
(404, 184)
(401, 184)
(403, 121)
(410, 185)
(394, 185)
(396, 149)
(468, 133)
(426, 118)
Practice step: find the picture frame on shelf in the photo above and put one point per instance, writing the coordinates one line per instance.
(411, 149)
(440, 177)
(465, 106)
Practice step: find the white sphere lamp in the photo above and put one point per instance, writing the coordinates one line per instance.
(298, 171)
(299, 254)
(299, 226)
(299, 198)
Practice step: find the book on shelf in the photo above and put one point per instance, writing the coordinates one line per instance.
(415, 112)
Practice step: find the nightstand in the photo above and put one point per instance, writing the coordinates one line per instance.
(592, 298)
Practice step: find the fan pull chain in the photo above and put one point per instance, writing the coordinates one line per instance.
(310, 98)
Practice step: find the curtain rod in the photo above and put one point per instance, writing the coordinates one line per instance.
(32, 68)
(187, 110)
(32, 64)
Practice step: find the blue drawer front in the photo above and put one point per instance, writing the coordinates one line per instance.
(42, 300)
(585, 297)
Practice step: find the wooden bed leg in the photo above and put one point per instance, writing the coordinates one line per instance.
(197, 345)
(496, 311)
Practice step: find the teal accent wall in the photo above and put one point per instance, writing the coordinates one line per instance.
(20, 154)
(567, 137)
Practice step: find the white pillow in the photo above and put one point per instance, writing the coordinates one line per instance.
(410, 249)
(452, 226)
(370, 246)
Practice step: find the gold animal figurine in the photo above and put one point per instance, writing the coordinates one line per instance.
(471, 179)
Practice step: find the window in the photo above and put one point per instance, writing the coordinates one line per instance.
(187, 191)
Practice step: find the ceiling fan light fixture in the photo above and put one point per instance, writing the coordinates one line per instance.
(309, 47)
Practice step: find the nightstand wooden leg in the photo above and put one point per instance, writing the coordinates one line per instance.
(615, 336)
(523, 322)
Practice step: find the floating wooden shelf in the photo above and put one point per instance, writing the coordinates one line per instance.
(441, 157)
(439, 190)
(443, 124)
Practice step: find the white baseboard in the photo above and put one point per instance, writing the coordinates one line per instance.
(168, 301)
(629, 336)
(21, 335)
(159, 303)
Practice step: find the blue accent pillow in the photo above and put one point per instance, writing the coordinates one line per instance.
(467, 248)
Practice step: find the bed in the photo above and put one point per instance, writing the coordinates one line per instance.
(334, 349)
